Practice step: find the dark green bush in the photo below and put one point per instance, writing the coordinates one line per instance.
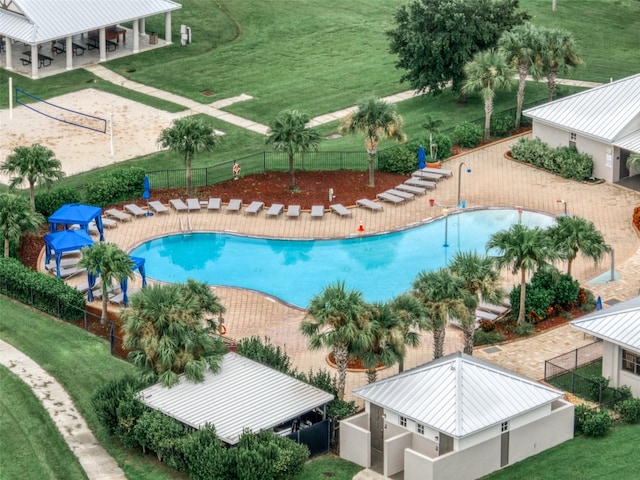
(580, 413)
(596, 423)
(537, 301)
(573, 164)
(480, 337)
(45, 292)
(629, 410)
(597, 385)
(129, 411)
(50, 201)
(205, 456)
(161, 434)
(502, 125)
(444, 143)
(115, 186)
(566, 290)
(105, 400)
(266, 353)
(531, 151)
(401, 160)
(564, 161)
(468, 134)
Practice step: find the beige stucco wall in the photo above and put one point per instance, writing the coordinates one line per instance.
(394, 449)
(355, 440)
(612, 369)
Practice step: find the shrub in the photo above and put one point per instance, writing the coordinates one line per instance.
(566, 290)
(502, 125)
(524, 329)
(205, 456)
(596, 423)
(444, 145)
(487, 326)
(161, 434)
(129, 411)
(115, 186)
(49, 202)
(537, 301)
(573, 164)
(580, 413)
(480, 337)
(105, 399)
(597, 385)
(629, 410)
(564, 161)
(531, 151)
(401, 160)
(468, 134)
(265, 353)
(47, 293)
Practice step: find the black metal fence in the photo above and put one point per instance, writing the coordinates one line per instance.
(572, 360)
(316, 437)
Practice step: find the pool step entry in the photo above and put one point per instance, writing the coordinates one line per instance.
(186, 229)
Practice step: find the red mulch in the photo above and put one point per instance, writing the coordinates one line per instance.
(505, 327)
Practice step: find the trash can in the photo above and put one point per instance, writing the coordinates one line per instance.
(153, 38)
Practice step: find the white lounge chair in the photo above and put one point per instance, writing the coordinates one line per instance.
(317, 211)
(254, 207)
(401, 194)
(427, 176)
(135, 210)
(107, 223)
(388, 197)
(214, 204)
(370, 204)
(64, 263)
(66, 272)
(340, 210)
(235, 205)
(179, 205)
(274, 210)
(416, 182)
(497, 309)
(293, 211)
(411, 189)
(117, 214)
(193, 204)
(482, 315)
(83, 287)
(158, 207)
(441, 171)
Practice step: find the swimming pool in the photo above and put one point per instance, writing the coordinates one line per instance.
(380, 266)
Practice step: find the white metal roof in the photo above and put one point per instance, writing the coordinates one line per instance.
(619, 324)
(608, 112)
(243, 395)
(458, 394)
(45, 20)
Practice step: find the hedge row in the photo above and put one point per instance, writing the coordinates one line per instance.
(46, 293)
(564, 161)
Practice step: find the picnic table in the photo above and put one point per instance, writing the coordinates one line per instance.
(93, 41)
(60, 46)
(43, 60)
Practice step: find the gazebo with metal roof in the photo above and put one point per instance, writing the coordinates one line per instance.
(64, 24)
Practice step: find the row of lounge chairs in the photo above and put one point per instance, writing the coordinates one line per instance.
(420, 181)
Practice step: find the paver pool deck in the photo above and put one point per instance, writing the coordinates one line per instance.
(494, 181)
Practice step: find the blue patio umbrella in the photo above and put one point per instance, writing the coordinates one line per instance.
(599, 303)
(422, 156)
(146, 194)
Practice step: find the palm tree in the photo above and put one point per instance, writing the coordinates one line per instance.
(376, 120)
(188, 136)
(387, 341)
(486, 73)
(35, 165)
(167, 332)
(523, 249)
(111, 263)
(573, 235)
(16, 218)
(432, 125)
(289, 134)
(521, 45)
(443, 296)
(558, 53)
(481, 280)
(410, 314)
(337, 319)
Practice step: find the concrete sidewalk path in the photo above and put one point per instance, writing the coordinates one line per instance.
(94, 459)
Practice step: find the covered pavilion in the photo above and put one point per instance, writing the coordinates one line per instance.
(77, 214)
(44, 28)
(65, 241)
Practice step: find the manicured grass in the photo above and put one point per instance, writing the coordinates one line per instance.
(328, 467)
(32, 446)
(81, 363)
(563, 382)
(614, 456)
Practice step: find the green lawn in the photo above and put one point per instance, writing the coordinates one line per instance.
(563, 382)
(32, 446)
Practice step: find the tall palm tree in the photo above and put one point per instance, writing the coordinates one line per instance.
(16, 218)
(487, 72)
(481, 280)
(111, 263)
(188, 136)
(376, 120)
(410, 314)
(337, 319)
(573, 235)
(521, 46)
(443, 296)
(289, 133)
(168, 333)
(559, 53)
(523, 249)
(35, 164)
(387, 341)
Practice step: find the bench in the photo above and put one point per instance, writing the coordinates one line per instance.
(60, 46)
(43, 60)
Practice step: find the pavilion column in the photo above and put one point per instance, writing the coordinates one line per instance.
(142, 26)
(34, 61)
(8, 45)
(69, 51)
(136, 37)
(103, 45)
(167, 28)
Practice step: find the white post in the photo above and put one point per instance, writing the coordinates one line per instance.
(167, 28)
(103, 45)
(10, 94)
(111, 133)
(34, 61)
(8, 44)
(69, 52)
(136, 36)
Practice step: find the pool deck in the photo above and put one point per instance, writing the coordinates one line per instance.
(494, 181)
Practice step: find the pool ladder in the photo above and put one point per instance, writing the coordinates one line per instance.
(186, 229)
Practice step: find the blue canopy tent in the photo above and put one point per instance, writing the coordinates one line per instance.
(138, 264)
(64, 241)
(76, 213)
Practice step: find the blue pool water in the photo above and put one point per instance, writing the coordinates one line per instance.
(380, 266)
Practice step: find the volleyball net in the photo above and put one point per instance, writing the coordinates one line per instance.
(61, 114)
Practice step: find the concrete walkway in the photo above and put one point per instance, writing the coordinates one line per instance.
(94, 459)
